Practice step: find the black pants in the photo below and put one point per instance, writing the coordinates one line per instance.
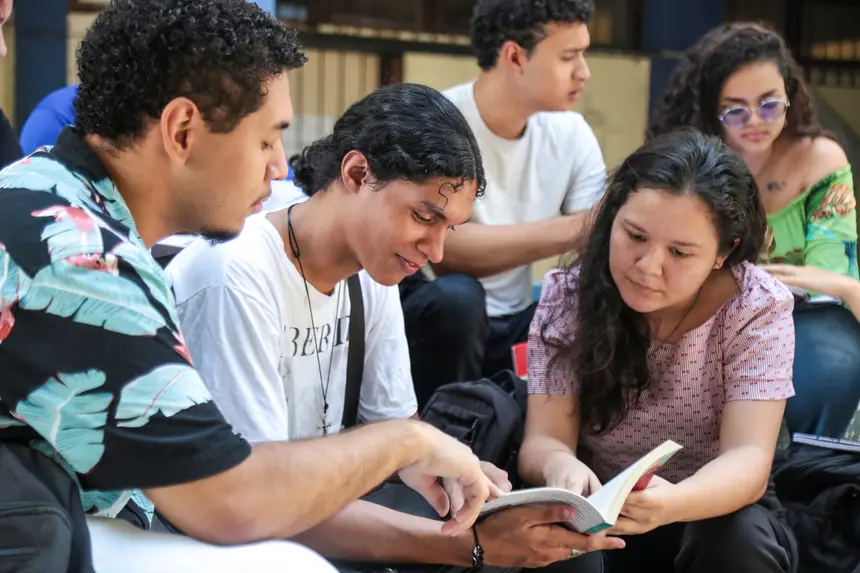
(401, 498)
(826, 370)
(451, 338)
(750, 540)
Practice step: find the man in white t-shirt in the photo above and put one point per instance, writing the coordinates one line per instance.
(544, 171)
(244, 312)
(266, 316)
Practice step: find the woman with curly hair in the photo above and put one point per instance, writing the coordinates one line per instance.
(666, 329)
(740, 82)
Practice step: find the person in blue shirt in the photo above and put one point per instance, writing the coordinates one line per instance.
(48, 118)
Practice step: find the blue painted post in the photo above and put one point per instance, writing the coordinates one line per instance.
(41, 32)
(674, 25)
(270, 6)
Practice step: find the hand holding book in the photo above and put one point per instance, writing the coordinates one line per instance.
(646, 509)
(565, 471)
(599, 510)
(531, 537)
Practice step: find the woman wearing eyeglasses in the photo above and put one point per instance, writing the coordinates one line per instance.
(740, 82)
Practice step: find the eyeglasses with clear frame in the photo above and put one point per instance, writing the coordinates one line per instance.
(769, 110)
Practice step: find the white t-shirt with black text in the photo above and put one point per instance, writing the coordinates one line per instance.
(244, 313)
(556, 167)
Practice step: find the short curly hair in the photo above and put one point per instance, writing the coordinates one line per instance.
(692, 95)
(495, 22)
(137, 56)
(406, 131)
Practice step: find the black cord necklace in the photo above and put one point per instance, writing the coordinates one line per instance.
(294, 247)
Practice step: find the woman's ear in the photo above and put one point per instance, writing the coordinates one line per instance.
(722, 258)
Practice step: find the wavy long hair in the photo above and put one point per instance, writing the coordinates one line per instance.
(609, 346)
(692, 95)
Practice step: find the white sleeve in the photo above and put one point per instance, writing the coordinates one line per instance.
(588, 176)
(387, 391)
(234, 339)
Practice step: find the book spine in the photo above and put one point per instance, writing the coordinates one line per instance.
(596, 529)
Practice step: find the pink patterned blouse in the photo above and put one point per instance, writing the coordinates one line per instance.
(744, 352)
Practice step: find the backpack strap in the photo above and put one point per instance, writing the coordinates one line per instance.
(355, 355)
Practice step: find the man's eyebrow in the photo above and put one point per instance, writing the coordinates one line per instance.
(435, 209)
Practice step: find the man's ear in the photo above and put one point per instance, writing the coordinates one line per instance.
(178, 120)
(354, 171)
(512, 57)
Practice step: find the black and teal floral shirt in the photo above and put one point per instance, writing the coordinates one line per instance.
(93, 368)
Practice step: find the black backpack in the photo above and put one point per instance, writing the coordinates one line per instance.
(488, 415)
(820, 490)
(42, 523)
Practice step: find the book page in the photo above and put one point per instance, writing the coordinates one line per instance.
(609, 499)
(585, 518)
(599, 510)
(825, 442)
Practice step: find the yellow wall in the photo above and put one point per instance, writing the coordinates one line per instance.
(7, 73)
(78, 23)
(323, 89)
(844, 102)
(615, 104)
(439, 71)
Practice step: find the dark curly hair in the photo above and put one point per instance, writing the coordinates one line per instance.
(406, 131)
(608, 353)
(692, 96)
(495, 22)
(138, 56)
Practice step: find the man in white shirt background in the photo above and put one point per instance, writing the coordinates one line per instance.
(544, 171)
(266, 316)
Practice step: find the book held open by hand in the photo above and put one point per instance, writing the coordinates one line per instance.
(600, 510)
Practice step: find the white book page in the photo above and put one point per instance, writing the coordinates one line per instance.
(604, 498)
(611, 497)
(585, 516)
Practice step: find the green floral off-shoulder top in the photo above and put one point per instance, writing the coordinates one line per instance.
(818, 228)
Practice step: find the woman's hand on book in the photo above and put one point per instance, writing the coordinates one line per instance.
(565, 471)
(530, 536)
(647, 509)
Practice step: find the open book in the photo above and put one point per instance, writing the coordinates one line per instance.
(828, 443)
(599, 510)
(809, 298)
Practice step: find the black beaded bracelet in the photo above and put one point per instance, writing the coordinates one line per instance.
(477, 551)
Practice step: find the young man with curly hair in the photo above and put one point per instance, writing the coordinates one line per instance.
(179, 117)
(544, 172)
